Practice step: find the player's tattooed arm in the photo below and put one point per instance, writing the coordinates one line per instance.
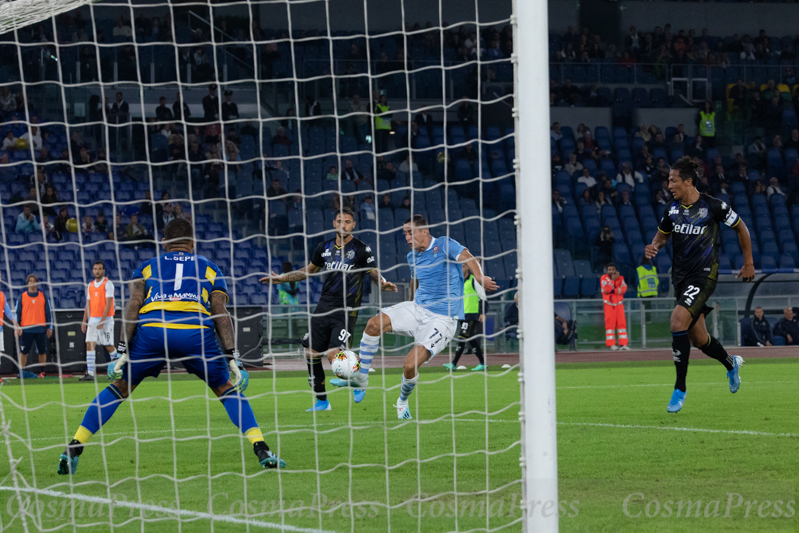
(222, 321)
(381, 281)
(131, 315)
(295, 275)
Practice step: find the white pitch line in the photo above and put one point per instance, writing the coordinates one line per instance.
(185, 513)
(724, 383)
(203, 431)
(668, 428)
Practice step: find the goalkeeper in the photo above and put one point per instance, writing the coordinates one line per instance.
(176, 301)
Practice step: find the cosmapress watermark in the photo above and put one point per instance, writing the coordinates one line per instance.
(731, 505)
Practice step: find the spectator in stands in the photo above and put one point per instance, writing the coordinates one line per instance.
(332, 174)
(368, 208)
(336, 202)
(588, 141)
(50, 197)
(40, 181)
(774, 188)
(465, 113)
(122, 29)
(180, 109)
(281, 137)
(350, 173)
(555, 132)
(425, 121)
(26, 221)
(585, 198)
(135, 231)
(469, 153)
(162, 112)
(759, 333)
(146, 207)
(87, 226)
(386, 204)
(720, 175)
(738, 96)
(33, 137)
(793, 140)
(388, 171)
(629, 176)
(609, 189)
(558, 201)
(758, 149)
(664, 189)
(44, 155)
(772, 114)
(359, 121)
(625, 198)
(276, 191)
(211, 104)
(571, 93)
(587, 180)
(604, 242)
(312, 106)
(758, 188)
(755, 107)
(60, 224)
(8, 101)
(556, 165)
(119, 111)
(230, 111)
(32, 196)
(788, 327)
(573, 165)
(407, 166)
(178, 212)
(101, 224)
(739, 176)
(580, 132)
(9, 142)
(249, 129)
(601, 200)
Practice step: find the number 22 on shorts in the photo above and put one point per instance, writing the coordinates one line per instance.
(690, 293)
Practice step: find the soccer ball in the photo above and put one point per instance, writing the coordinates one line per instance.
(346, 364)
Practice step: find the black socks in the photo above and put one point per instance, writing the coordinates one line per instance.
(715, 350)
(316, 378)
(681, 350)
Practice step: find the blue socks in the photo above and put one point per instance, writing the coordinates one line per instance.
(407, 387)
(99, 412)
(240, 413)
(369, 345)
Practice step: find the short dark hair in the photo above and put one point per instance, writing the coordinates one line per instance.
(687, 169)
(417, 220)
(611, 265)
(178, 231)
(98, 263)
(346, 211)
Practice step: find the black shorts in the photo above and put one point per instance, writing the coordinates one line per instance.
(470, 327)
(28, 340)
(329, 331)
(693, 294)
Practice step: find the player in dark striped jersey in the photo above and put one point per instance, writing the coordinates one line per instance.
(346, 260)
(693, 220)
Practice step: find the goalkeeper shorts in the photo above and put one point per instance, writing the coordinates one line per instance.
(196, 349)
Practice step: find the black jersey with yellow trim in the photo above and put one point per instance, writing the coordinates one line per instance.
(696, 235)
(178, 288)
(345, 266)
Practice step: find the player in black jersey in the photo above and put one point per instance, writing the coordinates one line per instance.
(346, 259)
(693, 218)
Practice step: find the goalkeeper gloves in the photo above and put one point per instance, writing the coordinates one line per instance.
(241, 378)
(115, 366)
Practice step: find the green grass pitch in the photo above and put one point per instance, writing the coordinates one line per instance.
(725, 463)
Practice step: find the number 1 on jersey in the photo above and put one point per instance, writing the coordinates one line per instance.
(178, 275)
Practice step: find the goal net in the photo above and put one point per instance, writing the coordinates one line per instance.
(260, 122)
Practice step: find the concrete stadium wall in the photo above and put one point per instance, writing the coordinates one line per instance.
(720, 19)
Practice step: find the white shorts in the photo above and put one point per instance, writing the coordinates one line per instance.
(428, 329)
(103, 336)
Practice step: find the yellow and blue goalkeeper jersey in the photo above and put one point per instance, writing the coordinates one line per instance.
(178, 288)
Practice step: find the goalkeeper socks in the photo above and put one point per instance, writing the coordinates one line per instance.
(369, 345)
(99, 412)
(90, 359)
(714, 349)
(407, 387)
(681, 350)
(240, 413)
(316, 378)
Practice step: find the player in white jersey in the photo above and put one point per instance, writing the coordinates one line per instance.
(432, 317)
(98, 319)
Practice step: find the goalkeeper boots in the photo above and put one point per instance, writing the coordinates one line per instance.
(68, 462)
(266, 457)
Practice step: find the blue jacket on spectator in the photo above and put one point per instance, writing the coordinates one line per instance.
(26, 226)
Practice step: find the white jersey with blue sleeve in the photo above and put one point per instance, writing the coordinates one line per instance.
(440, 277)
